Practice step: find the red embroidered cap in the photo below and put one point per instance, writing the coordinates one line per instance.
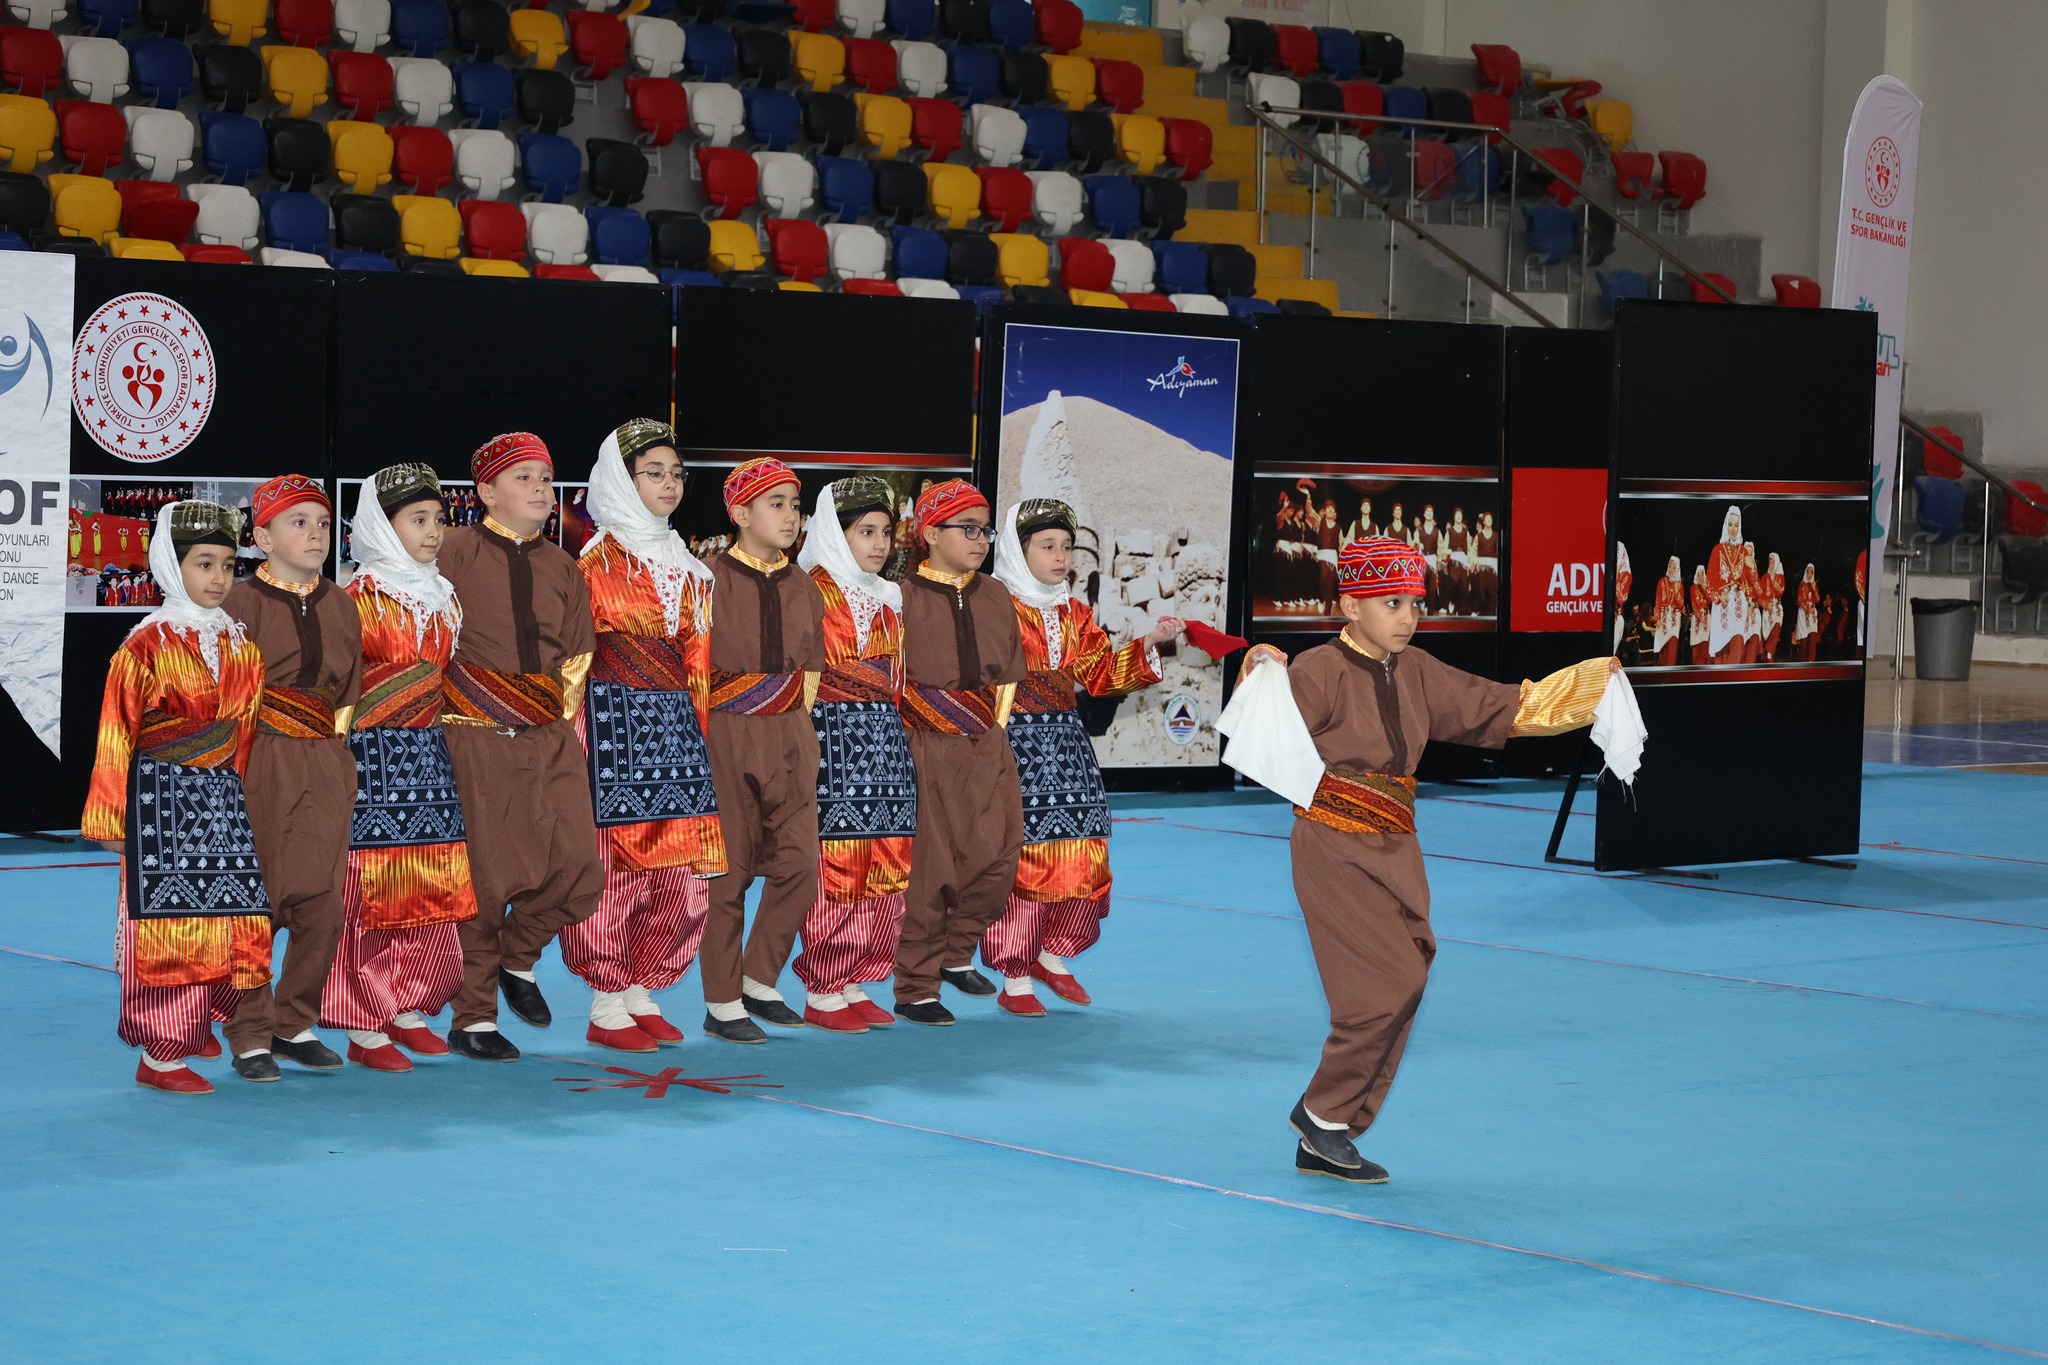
(500, 453)
(286, 490)
(1379, 566)
(944, 501)
(754, 478)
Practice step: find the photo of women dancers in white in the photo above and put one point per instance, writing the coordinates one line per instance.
(1301, 519)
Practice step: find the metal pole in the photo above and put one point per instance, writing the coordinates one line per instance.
(1261, 182)
(1312, 169)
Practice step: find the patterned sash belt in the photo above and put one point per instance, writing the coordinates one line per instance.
(174, 739)
(938, 710)
(295, 713)
(403, 696)
(1363, 803)
(756, 694)
(488, 697)
(1045, 690)
(648, 663)
(868, 680)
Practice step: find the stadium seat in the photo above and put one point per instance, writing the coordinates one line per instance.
(86, 206)
(709, 52)
(681, 241)
(1339, 52)
(233, 145)
(964, 21)
(899, 191)
(1938, 510)
(954, 194)
(856, 252)
(788, 183)
(1022, 77)
(93, 137)
(493, 231)
(1133, 267)
(1095, 298)
(735, 246)
(423, 89)
(1445, 105)
(558, 235)
(168, 218)
(1011, 23)
(144, 249)
(1405, 102)
(882, 287)
(717, 113)
(228, 215)
(365, 224)
(1021, 260)
(618, 236)
(297, 78)
(1702, 294)
(1493, 110)
(299, 154)
(298, 222)
(96, 68)
(972, 74)
(1120, 85)
(362, 84)
(831, 121)
(660, 109)
(1058, 201)
(871, 65)
(507, 269)
(2022, 520)
(917, 253)
(935, 127)
(1500, 67)
(1140, 141)
(762, 55)
(1614, 121)
(1113, 202)
(1552, 234)
(550, 165)
(1148, 303)
(305, 23)
(774, 118)
(813, 16)
(846, 188)
(1279, 92)
(31, 60)
(428, 227)
(486, 162)
(239, 22)
(1245, 306)
(1296, 50)
(864, 18)
(1180, 268)
(625, 274)
(1435, 168)
(918, 288)
(1091, 139)
(1071, 81)
(299, 260)
(160, 69)
(1085, 264)
(998, 134)
(565, 272)
(1233, 270)
(617, 171)
(545, 100)
(1616, 285)
(422, 159)
(1045, 137)
(201, 253)
(1188, 146)
(1252, 45)
(362, 25)
(884, 123)
(920, 68)
(159, 142)
(1381, 57)
(1685, 182)
(1206, 40)
(818, 59)
(655, 46)
(1058, 24)
(174, 18)
(1162, 205)
(731, 179)
(1566, 163)
(1796, 291)
(486, 92)
(1633, 172)
(540, 38)
(971, 258)
(419, 28)
(1477, 174)
(797, 248)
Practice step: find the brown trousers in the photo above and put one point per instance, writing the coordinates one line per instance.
(970, 828)
(301, 793)
(532, 851)
(1367, 906)
(765, 771)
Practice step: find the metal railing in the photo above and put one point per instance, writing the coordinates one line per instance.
(1910, 552)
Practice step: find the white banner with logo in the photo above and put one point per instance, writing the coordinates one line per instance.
(1873, 256)
(35, 465)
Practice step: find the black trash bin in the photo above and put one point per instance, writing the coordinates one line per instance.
(1943, 631)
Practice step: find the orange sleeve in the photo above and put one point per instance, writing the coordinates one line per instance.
(129, 686)
(697, 653)
(1104, 670)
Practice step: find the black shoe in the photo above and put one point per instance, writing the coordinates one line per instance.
(926, 1012)
(774, 1011)
(1364, 1173)
(1331, 1146)
(525, 999)
(260, 1066)
(968, 981)
(735, 1030)
(483, 1045)
(312, 1054)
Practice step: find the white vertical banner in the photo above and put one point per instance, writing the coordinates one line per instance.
(35, 467)
(1873, 254)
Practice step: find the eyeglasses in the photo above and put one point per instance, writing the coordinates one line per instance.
(970, 530)
(661, 478)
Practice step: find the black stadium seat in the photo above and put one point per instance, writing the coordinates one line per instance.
(617, 171)
(1162, 205)
(1452, 106)
(831, 121)
(364, 222)
(682, 241)
(1303, 308)
(1233, 271)
(1381, 57)
(546, 100)
(899, 191)
(174, 18)
(73, 246)
(24, 205)
(1023, 77)
(230, 77)
(763, 55)
(1323, 95)
(426, 265)
(1039, 293)
(964, 21)
(1091, 139)
(482, 29)
(970, 258)
(299, 152)
(1251, 44)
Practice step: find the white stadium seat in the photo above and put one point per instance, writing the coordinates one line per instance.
(422, 88)
(927, 289)
(788, 183)
(717, 113)
(228, 215)
(920, 68)
(1199, 303)
(1283, 92)
(657, 45)
(998, 134)
(857, 252)
(625, 274)
(863, 18)
(1133, 266)
(556, 234)
(1206, 40)
(362, 25)
(159, 141)
(1057, 201)
(96, 67)
(304, 260)
(485, 161)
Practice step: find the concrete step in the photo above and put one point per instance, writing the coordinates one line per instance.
(1222, 225)
(1120, 42)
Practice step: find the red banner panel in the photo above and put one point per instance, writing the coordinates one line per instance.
(1559, 518)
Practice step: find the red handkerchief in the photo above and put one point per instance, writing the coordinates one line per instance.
(1212, 641)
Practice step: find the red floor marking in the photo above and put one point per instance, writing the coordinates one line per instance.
(1463, 1239)
(48, 957)
(1897, 847)
(44, 867)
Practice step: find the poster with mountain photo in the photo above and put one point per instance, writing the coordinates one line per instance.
(1137, 431)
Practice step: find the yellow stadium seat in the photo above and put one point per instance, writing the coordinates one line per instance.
(538, 37)
(798, 286)
(144, 249)
(298, 77)
(1315, 291)
(475, 265)
(1614, 121)
(884, 122)
(1095, 298)
(1020, 259)
(1140, 140)
(362, 153)
(428, 226)
(1071, 80)
(954, 193)
(735, 245)
(1121, 43)
(1221, 225)
(28, 132)
(817, 58)
(239, 22)
(86, 206)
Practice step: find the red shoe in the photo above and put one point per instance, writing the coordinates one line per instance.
(657, 1028)
(423, 1041)
(1061, 984)
(873, 1015)
(619, 1039)
(212, 1048)
(842, 1020)
(385, 1058)
(1023, 1006)
(183, 1081)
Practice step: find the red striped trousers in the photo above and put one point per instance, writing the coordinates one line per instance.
(844, 945)
(646, 931)
(170, 1023)
(379, 974)
(1063, 928)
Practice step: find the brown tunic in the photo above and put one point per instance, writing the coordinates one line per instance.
(301, 793)
(970, 810)
(1365, 896)
(525, 790)
(765, 770)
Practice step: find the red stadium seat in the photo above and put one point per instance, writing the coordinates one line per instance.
(1494, 111)
(1938, 462)
(1702, 294)
(2021, 519)
(1149, 303)
(1188, 146)
(1120, 85)
(1436, 169)
(1005, 196)
(1086, 264)
(661, 108)
(31, 60)
(796, 248)
(93, 136)
(597, 41)
(871, 65)
(1057, 24)
(1500, 67)
(1633, 172)
(422, 159)
(886, 288)
(1796, 291)
(215, 253)
(935, 126)
(1685, 182)
(362, 84)
(817, 16)
(1297, 50)
(1568, 162)
(155, 209)
(1362, 97)
(564, 272)
(493, 229)
(305, 23)
(732, 181)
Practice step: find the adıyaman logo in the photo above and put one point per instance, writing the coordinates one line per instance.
(1181, 378)
(21, 341)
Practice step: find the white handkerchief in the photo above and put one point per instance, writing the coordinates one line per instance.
(1617, 728)
(1269, 741)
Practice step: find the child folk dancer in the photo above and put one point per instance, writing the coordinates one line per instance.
(643, 724)
(962, 661)
(175, 727)
(867, 788)
(768, 635)
(1370, 704)
(1061, 893)
(514, 682)
(408, 863)
(301, 777)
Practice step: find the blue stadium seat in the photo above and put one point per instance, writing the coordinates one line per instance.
(1937, 509)
(1247, 305)
(618, 236)
(1478, 173)
(912, 19)
(920, 255)
(1045, 137)
(107, 18)
(971, 74)
(293, 220)
(10, 241)
(698, 277)
(550, 165)
(1113, 203)
(485, 91)
(1553, 232)
(1407, 101)
(774, 118)
(234, 145)
(846, 187)
(709, 53)
(360, 260)
(419, 28)
(1339, 49)
(982, 296)
(161, 70)
(1180, 268)
(1616, 285)
(1012, 23)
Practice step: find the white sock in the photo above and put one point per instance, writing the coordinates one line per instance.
(726, 1011)
(608, 1009)
(638, 1001)
(966, 966)
(754, 990)
(1324, 1124)
(154, 1065)
(304, 1035)
(523, 976)
(1017, 985)
(254, 1052)
(928, 1000)
(410, 1019)
(488, 1026)
(834, 1001)
(853, 992)
(1055, 965)
(368, 1038)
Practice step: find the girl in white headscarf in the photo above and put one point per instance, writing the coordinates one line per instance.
(1771, 598)
(408, 886)
(1668, 614)
(1806, 624)
(643, 722)
(867, 788)
(1728, 592)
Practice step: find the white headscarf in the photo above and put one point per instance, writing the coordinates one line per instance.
(615, 507)
(179, 612)
(382, 558)
(1732, 537)
(1014, 572)
(866, 593)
